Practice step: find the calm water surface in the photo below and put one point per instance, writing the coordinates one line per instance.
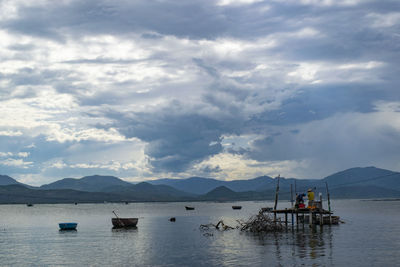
(30, 236)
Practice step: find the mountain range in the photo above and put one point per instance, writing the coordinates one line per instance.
(368, 182)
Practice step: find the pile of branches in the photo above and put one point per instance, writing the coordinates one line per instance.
(262, 222)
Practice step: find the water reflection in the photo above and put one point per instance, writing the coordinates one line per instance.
(315, 243)
(68, 232)
(30, 236)
(125, 230)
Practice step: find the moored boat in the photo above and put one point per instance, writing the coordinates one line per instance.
(189, 208)
(67, 226)
(236, 207)
(124, 222)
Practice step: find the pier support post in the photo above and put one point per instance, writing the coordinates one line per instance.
(321, 219)
(286, 220)
(291, 201)
(329, 203)
(276, 197)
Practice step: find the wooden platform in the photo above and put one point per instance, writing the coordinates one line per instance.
(299, 211)
(304, 215)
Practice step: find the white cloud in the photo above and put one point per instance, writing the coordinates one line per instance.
(11, 154)
(362, 65)
(237, 2)
(237, 167)
(19, 163)
(325, 2)
(10, 133)
(384, 20)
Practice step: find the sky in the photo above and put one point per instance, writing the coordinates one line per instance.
(228, 89)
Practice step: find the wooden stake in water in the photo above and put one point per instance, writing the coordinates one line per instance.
(291, 200)
(329, 203)
(321, 219)
(276, 197)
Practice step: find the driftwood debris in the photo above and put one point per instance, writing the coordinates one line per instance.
(219, 226)
(260, 223)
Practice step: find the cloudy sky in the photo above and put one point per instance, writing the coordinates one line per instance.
(230, 89)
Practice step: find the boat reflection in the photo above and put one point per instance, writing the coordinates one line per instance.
(125, 230)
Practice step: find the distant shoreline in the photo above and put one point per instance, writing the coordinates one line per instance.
(187, 201)
(384, 199)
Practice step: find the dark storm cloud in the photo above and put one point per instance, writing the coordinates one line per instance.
(176, 140)
(178, 18)
(320, 102)
(194, 19)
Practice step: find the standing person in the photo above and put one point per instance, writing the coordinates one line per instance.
(310, 195)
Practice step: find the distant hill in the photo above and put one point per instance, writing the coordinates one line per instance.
(194, 185)
(95, 183)
(7, 180)
(18, 194)
(365, 182)
(140, 192)
(221, 193)
(200, 186)
(364, 192)
(369, 182)
(365, 176)
(150, 192)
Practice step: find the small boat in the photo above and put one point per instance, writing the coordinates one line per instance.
(67, 226)
(29, 205)
(172, 219)
(124, 222)
(189, 208)
(237, 207)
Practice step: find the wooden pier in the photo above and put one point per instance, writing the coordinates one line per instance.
(313, 215)
(306, 215)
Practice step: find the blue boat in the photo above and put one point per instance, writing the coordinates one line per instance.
(68, 226)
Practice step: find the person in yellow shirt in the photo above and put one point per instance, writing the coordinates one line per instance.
(310, 195)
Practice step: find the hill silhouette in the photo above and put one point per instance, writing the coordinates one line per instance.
(368, 182)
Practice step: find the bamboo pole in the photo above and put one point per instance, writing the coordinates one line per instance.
(291, 200)
(286, 219)
(329, 203)
(276, 197)
(321, 219)
(120, 221)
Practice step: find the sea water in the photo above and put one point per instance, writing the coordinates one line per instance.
(30, 236)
